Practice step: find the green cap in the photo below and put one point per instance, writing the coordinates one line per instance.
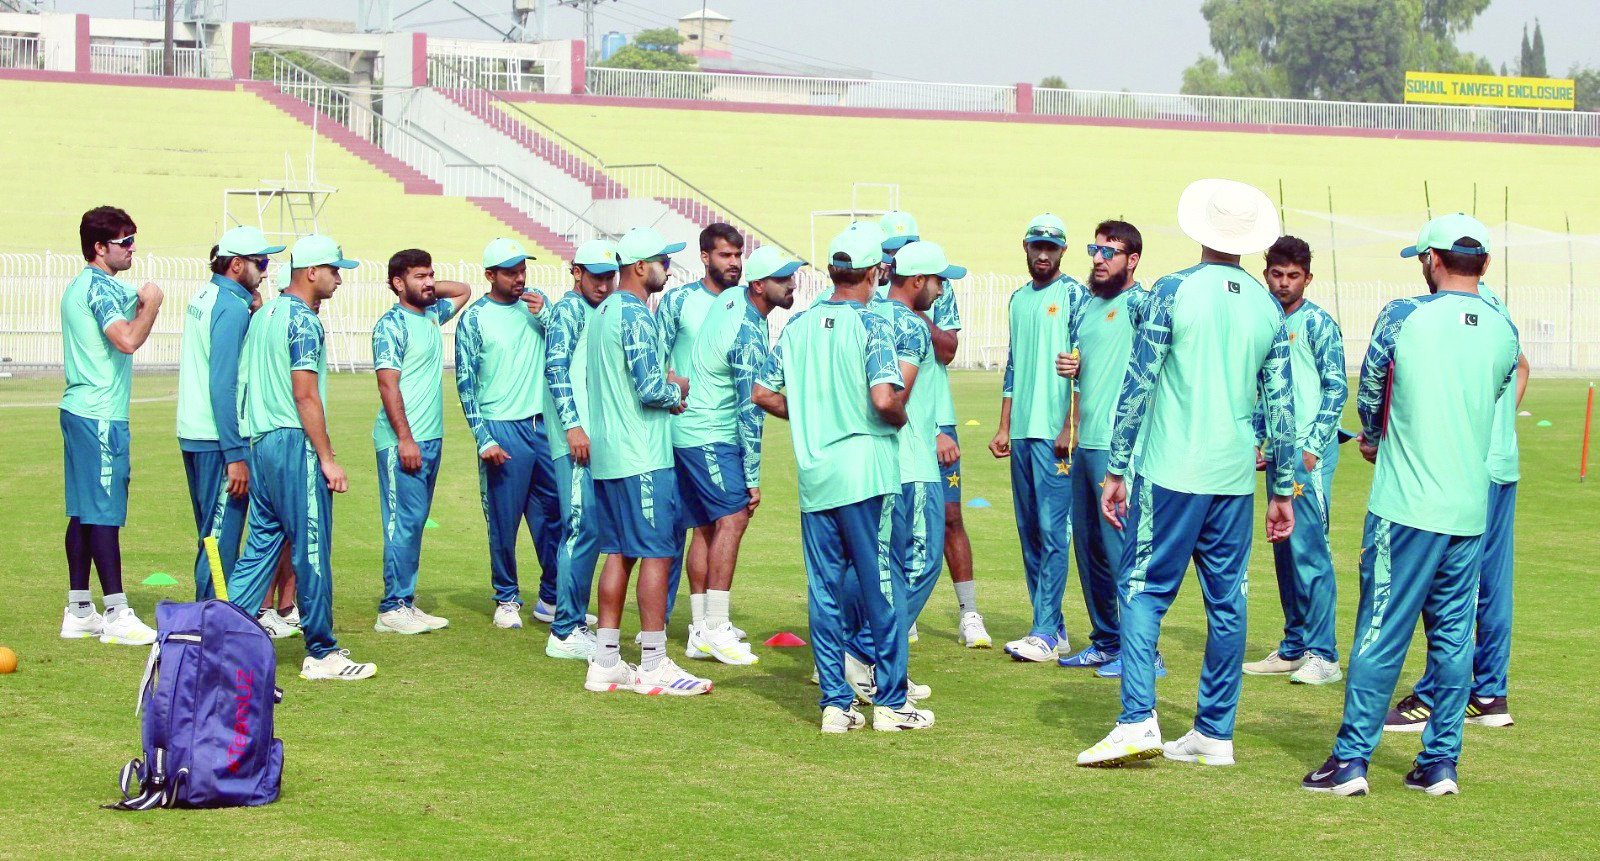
(926, 258)
(599, 256)
(859, 246)
(643, 243)
(898, 228)
(1046, 228)
(1446, 232)
(504, 253)
(245, 242)
(318, 250)
(770, 261)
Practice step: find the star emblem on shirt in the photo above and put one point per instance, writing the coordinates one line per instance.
(1052, 309)
(1111, 315)
(1299, 490)
(1062, 468)
(1291, 336)
(954, 480)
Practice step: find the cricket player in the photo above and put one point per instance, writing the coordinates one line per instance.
(594, 277)
(1491, 656)
(1105, 343)
(408, 432)
(1434, 369)
(719, 472)
(1210, 342)
(833, 376)
(632, 397)
(293, 474)
(1036, 433)
(208, 398)
(1307, 588)
(681, 314)
(944, 329)
(500, 343)
(103, 323)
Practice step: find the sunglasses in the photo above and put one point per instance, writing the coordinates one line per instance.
(260, 262)
(1105, 252)
(664, 260)
(1045, 233)
(124, 242)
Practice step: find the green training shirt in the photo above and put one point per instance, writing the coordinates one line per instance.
(500, 364)
(1105, 341)
(411, 343)
(1504, 466)
(99, 376)
(1042, 321)
(913, 345)
(629, 393)
(285, 336)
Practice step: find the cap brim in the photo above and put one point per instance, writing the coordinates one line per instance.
(674, 248)
(272, 249)
(599, 268)
(1410, 251)
(895, 243)
(953, 272)
(784, 271)
(509, 262)
(345, 264)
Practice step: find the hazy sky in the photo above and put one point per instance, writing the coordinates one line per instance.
(1140, 45)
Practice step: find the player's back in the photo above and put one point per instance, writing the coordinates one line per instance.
(1221, 323)
(1451, 355)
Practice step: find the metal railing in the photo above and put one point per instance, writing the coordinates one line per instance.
(1559, 324)
(784, 90)
(20, 52)
(109, 58)
(490, 72)
(685, 198)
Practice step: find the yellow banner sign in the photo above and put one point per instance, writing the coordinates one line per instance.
(1439, 88)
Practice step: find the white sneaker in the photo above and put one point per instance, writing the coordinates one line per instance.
(508, 615)
(123, 628)
(275, 626)
(738, 633)
(835, 719)
(669, 678)
(694, 645)
(434, 623)
(400, 620)
(1316, 671)
(1032, 648)
(543, 612)
(293, 616)
(81, 628)
(336, 665)
(1126, 743)
(1273, 665)
(885, 719)
(911, 633)
(1195, 747)
(861, 680)
(972, 633)
(720, 643)
(591, 620)
(579, 645)
(620, 676)
(917, 692)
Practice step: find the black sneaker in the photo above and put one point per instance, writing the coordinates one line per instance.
(1409, 715)
(1436, 779)
(1339, 777)
(1488, 711)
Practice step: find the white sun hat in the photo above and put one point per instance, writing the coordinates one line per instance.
(1228, 216)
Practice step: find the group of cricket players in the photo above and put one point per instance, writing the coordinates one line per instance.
(624, 422)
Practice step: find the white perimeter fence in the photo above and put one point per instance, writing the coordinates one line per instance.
(1560, 325)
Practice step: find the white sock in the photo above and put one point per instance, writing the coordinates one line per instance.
(697, 608)
(967, 596)
(653, 649)
(80, 602)
(716, 608)
(608, 649)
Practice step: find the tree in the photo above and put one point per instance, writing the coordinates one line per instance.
(1525, 52)
(1053, 82)
(659, 39)
(1587, 82)
(1536, 67)
(653, 50)
(1354, 50)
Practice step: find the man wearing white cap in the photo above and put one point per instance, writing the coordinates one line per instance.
(1211, 339)
(500, 376)
(632, 397)
(293, 474)
(566, 363)
(208, 389)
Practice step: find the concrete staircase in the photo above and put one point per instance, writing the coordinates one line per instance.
(412, 179)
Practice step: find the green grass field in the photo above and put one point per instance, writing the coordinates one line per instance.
(470, 743)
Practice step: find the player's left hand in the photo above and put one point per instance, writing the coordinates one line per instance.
(1064, 443)
(1280, 519)
(1067, 364)
(755, 499)
(238, 479)
(1369, 450)
(1310, 461)
(534, 300)
(1114, 500)
(948, 451)
(334, 474)
(410, 456)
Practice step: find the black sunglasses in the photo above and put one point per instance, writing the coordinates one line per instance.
(1105, 252)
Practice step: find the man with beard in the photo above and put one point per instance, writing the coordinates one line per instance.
(208, 400)
(1105, 342)
(500, 377)
(681, 314)
(1035, 431)
(723, 471)
(1307, 588)
(594, 276)
(632, 396)
(408, 432)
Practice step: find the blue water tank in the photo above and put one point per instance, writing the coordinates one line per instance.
(611, 43)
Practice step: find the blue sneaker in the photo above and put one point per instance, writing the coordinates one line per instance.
(1113, 668)
(1090, 657)
(1436, 779)
(1338, 777)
